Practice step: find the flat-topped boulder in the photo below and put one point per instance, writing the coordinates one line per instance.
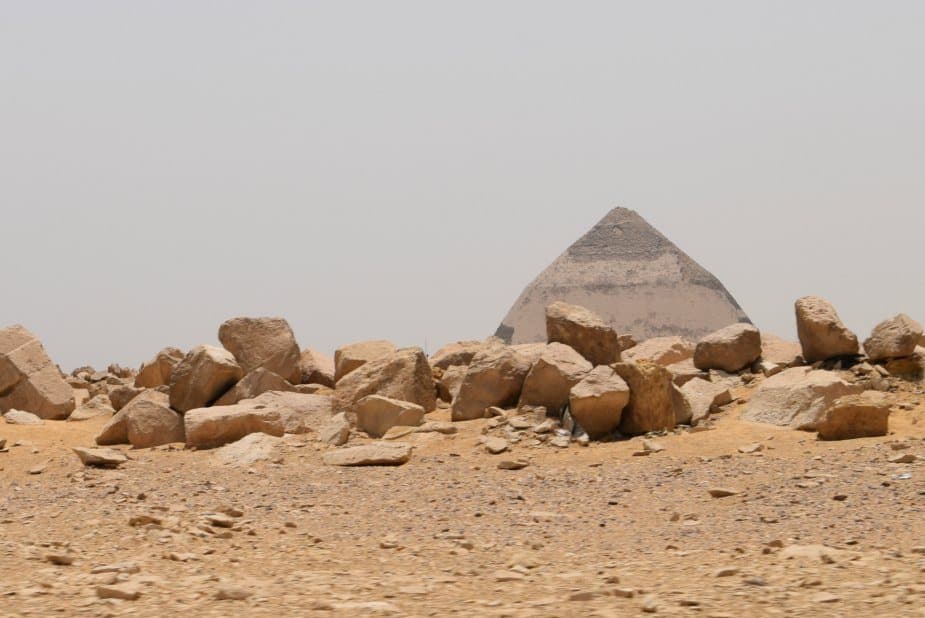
(457, 354)
(495, 377)
(662, 351)
(730, 349)
(797, 397)
(583, 331)
(376, 415)
(651, 406)
(255, 383)
(210, 427)
(353, 356)
(856, 416)
(597, 401)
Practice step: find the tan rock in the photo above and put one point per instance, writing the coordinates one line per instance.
(779, 351)
(336, 431)
(376, 415)
(120, 396)
(98, 406)
(651, 405)
(451, 382)
(530, 352)
(457, 354)
(19, 417)
(685, 371)
(255, 383)
(263, 342)
(662, 351)
(29, 380)
(797, 398)
(405, 375)
(317, 368)
(552, 377)
(353, 356)
(856, 416)
(822, 333)
(584, 331)
(374, 454)
(597, 402)
(250, 449)
(157, 371)
(210, 427)
(627, 342)
(115, 431)
(204, 375)
(152, 423)
(301, 413)
(893, 338)
(730, 349)
(703, 397)
(100, 457)
(495, 377)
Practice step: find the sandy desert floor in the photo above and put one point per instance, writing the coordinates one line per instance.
(813, 528)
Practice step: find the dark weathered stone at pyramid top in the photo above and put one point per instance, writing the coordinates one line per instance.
(634, 277)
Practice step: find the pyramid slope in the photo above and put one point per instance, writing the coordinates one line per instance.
(634, 278)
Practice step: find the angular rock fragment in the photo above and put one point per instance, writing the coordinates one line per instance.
(457, 354)
(651, 404)
(797, 398)
(355, 355)
(204, 375)
(374, 454)
(404, 375)
(730, 349)
(100, 457)
(597, 402)
(152, 423)
(552, 377)
(263, 342)
(893, 338)
(29, 381)
(255, 383)
(115, 431)
(583, 331)
(822, 333)
(98, 406)
(317, 368)
(495, 377)
(210, 427)
(157, 371)
(375, 415)
(662, 351)
(856, 416)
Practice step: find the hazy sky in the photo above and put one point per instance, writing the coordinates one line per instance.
(404, 169)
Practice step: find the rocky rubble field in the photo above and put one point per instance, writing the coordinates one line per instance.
(738, 475)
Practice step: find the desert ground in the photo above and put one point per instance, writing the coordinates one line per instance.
(812, 528)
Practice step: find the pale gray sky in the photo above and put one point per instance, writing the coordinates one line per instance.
(403, 169)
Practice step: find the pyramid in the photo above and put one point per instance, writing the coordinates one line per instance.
(634, 278)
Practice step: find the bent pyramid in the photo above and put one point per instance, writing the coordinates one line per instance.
(634, 278)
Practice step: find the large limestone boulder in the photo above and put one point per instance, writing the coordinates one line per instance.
(115, 431)
(779, 352)
(255, 383)
(29, 380)
(822, 333)
(120, 396)
(263, 342)
(702, 397)
(856, 416)
(893, 338)
(249, 450)
(317, 368)
(583, 331)
(797, 398)
(662, 351)
(405, 375)
(97, 406)
(353, 356)
(457, 354)
(376, 415)
(596, 403)
(685, 371)
(210, 427)
(451, 382)
(204, 375)
(153, 423)
(157, 371)
(300, 412)
(651, 406)
(730, 349)
(552, 377)
(375, 454)
(495, 377)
